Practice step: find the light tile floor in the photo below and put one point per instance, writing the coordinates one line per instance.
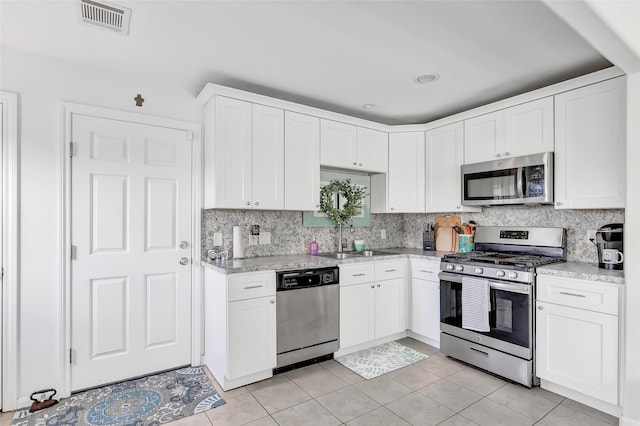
(436, 391)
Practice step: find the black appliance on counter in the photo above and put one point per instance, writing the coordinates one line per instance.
(504, 265)
(609, 239)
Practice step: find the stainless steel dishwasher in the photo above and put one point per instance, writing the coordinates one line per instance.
(308, 316)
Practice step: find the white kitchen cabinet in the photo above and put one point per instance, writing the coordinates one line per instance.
(444, 148)
(351, 147)
(240, 326)
(357, 314)
(244, 160)
(519, 130)
(252, 336)
(406, 179)
(374, 309)
(590, 134)
(425, 301)
(577, 336)
(301, 162)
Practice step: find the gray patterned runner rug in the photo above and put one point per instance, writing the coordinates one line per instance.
(381, 359)
(147, 401)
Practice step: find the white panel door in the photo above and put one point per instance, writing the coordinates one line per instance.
(232, 154)
(267, 158)
(390, 311)
(252, 336)
(357, 317)
(301, 162)
(578, 349)
(484, 137)
(373, 150)
(130, 228)
(338, 144)
(528, 128)
(406, 172)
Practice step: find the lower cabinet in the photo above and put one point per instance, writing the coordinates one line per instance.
(240, 326)
(425, 301)
(252, 336)
(375, 309)
(577, 336)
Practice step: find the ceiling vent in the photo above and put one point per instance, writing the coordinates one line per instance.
(105, 15)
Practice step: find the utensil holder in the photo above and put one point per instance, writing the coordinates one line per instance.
(466, 243)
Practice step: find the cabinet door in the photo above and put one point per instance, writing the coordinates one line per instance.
(267, 180)
(301, 162)
(372, 150)
(444, 155)
(406, 172)
(356, 314)
(338, 143)
(425, 308)
(231, 154)
(252, 336)
(484, 137)
(590, 146)
(578, 349)
(529, 128)
(390, 307)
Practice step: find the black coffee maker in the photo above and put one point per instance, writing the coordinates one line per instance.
(609, 240)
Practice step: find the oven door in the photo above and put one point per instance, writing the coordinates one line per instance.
(510, 316)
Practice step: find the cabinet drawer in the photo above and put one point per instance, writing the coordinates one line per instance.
(425, 269)
(389, 270)
(578, 293)
(249, 286)
(357, 273)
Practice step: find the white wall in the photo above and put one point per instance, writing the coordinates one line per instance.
(41, 83)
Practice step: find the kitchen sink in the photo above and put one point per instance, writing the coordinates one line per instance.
(352, 254)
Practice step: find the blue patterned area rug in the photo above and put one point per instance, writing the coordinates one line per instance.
(381, 359)
(147, 401)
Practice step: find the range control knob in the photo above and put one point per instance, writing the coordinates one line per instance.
(513, 275)
(449, 267)
(499, 273)
(479, 271)
(459, 268)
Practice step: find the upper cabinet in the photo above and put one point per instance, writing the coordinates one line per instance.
(520, 130)
(590, 163)
(406, 172)
(244, 161)
(444, 154)
(301, 161)
(351, 147)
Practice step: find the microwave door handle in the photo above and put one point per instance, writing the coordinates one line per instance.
(521, 178)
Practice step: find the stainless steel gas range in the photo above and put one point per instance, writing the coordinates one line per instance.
(487, 298)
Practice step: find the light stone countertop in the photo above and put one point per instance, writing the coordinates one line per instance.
(579, 270)
(582, 270)
(301, 261)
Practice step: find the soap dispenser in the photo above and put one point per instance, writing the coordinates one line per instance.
(313, 247)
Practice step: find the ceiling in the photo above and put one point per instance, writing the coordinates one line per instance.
(336, 55)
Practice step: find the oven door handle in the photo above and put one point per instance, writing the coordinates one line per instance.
(512, 288)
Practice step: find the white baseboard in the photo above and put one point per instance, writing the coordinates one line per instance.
(611, 409)
(367, 345)
(423, 339)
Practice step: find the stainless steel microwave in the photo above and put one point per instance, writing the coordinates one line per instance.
(518, 180)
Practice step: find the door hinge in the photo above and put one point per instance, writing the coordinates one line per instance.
(72, 252)
(70, 356)
(70, 149)
(190, 135)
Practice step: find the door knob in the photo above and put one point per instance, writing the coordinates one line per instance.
(184, 261)
(184, 244)
(540, 308)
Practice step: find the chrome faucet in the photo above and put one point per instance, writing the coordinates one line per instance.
(340, 246)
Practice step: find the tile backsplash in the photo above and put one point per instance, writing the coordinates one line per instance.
(288, 236)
